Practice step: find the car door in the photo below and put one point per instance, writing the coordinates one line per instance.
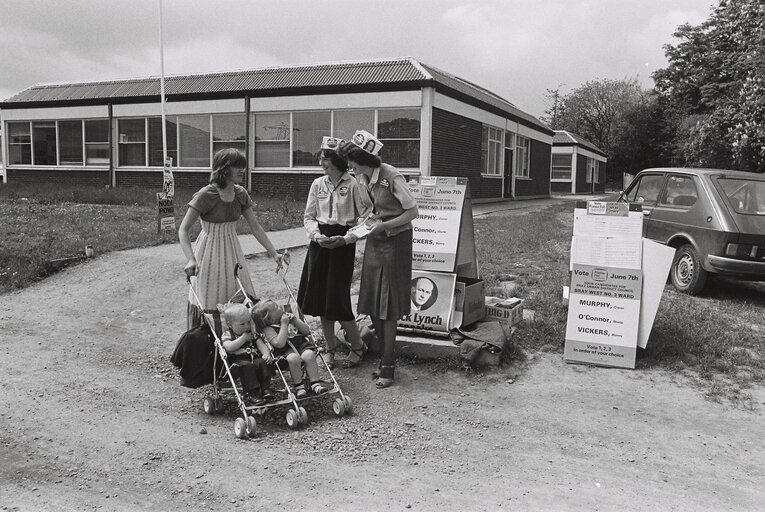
(644, 190)
(678, 211)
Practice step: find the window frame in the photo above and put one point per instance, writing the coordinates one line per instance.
(27, 143)
(523, 151)
(375, 130)
(570, 167)
(492, 145)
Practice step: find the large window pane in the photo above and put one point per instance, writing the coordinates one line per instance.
(97, 141)
(272, 140)
(272, 127)
(229, 131)
(561, 167)
(399, 131)
(155, 140)
(229, 127)
(348, 121)
(308, 128)
(44, 142)
(398, 124)
(523, 156)
(19, 144)
(194, 140)
(272, 154)
(401, 153)
(70, 142)
(132, 141)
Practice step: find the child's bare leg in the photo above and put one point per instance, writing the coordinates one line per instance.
(311, 368)
(296, 368)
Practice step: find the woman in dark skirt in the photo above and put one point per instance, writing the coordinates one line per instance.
(387, 272)
(335, 203)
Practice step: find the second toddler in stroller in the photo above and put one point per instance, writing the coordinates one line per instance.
(288, 337)
(245, 352)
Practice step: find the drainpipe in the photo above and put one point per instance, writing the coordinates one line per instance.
(426, 130)
(112, 172)
(250, 158)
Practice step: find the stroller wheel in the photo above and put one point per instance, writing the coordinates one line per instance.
(209, 405)
(292, 419)
(338, 407)
(251, 425)
(302, 416)
(348, 404)
(240, 428)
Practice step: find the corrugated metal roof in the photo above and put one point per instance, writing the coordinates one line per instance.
(404, 71)
(478, 92)
(280, 78)
(564, 137)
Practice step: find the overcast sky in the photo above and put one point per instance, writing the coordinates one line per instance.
(516, 48)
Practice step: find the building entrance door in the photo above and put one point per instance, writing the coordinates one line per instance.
(507, 191)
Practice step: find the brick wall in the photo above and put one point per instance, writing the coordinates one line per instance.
(153, 179)
(290, 185)
(456, 151)
(539, 172)
(68, 177)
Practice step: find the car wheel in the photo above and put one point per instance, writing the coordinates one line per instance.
(687, 274)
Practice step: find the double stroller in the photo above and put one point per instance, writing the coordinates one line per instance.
(224, 384)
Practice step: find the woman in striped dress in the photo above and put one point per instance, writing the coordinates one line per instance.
(217, 250)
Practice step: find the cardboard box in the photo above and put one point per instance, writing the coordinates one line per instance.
(508, 311)
(469, 299)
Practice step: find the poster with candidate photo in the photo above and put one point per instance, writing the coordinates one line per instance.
(432, 301)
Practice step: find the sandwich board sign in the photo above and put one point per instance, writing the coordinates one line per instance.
(443, 258)
(443, 239)
(606, 285)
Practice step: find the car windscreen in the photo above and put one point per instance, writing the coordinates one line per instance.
(744, 196)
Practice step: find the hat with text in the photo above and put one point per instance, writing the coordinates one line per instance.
(331, 143)
(367, 142)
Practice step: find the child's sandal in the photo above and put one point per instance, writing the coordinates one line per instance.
(300, 391)
(318, 388)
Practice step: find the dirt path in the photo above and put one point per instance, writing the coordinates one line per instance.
(93, 418)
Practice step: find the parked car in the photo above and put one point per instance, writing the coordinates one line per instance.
(714, 218)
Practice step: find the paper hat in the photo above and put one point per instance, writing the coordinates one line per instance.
(331, 143)
(367, 142)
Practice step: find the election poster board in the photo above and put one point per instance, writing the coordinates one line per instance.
(443, 239)
(432, 302)
(165, 209)
(606, 285)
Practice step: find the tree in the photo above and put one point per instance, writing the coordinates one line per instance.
(714, 88)
(593, 110)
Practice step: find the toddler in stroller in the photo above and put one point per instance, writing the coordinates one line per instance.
(245, 354)
(289, 337)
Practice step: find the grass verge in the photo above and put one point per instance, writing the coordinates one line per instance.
(718, 338)
(43, 224)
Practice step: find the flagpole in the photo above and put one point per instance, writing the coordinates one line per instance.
(162, 86)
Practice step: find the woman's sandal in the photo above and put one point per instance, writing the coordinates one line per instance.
(385, 376)
(358, 352)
